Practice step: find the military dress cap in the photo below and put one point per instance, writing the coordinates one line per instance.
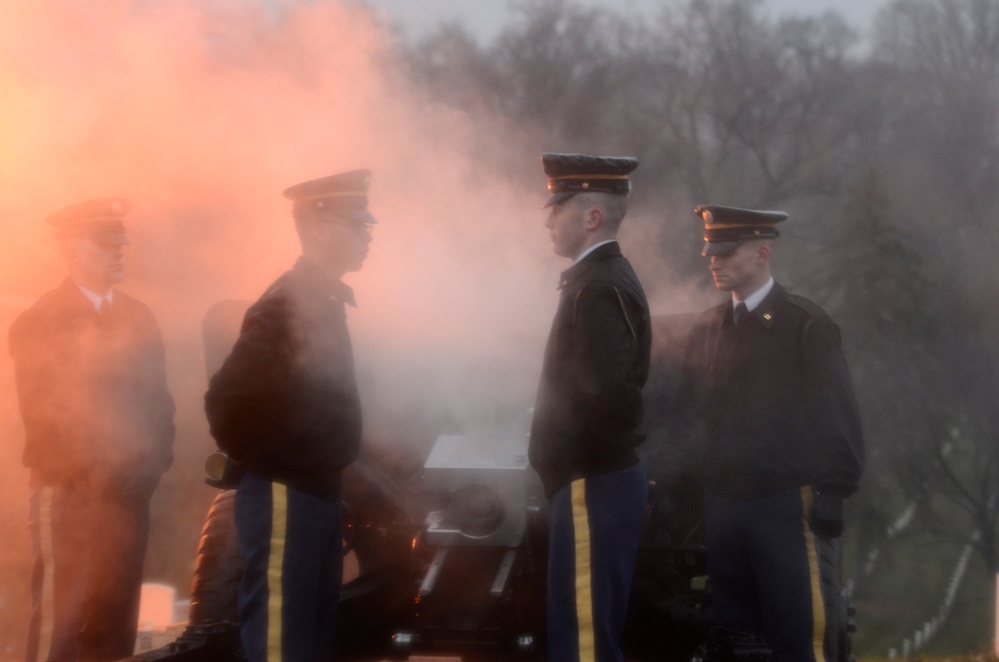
(100, 218)
(726, 228)
(345, 193)
(569, 174)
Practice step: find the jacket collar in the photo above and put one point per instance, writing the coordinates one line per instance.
(767, 312)
(321, 285)
(74, 297)
(601, 253)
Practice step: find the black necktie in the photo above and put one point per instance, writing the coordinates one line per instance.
(740, 312)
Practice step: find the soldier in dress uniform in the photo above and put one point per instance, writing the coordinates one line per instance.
(98, 422)
(285, 407)
(588, 409)
(767, 396)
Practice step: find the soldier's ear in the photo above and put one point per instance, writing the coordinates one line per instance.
(70, 248)
(309, 229)
(594, 218)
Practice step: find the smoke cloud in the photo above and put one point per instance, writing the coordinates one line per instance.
(201, 113)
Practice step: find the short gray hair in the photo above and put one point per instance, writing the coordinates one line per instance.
(614, 206)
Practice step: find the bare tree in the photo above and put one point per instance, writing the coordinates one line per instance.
(945, 60)
(750, 110)
(943, 63)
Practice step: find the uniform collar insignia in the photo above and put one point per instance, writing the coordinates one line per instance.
(343, 294)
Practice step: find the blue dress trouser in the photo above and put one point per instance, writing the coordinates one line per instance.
(594, 528)
(765, 571)
(292, 544)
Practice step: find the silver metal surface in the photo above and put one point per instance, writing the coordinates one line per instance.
(503, 574)
(484, 483)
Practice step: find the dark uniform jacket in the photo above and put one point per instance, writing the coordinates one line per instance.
(770, 402)
(589, 402)
(285, 402)
(93, 393)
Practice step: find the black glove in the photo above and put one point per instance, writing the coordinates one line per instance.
(827, 515)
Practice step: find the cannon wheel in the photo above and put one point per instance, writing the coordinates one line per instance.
(219, 567)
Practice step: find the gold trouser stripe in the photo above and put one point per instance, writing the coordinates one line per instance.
(275, 568)
(48, 573)
(584, 591)
(818, 606)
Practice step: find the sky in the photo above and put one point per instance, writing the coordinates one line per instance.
(485, 18)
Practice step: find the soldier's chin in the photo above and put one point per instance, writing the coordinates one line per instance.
(357, 265)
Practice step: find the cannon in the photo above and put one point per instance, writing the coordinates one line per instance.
(453, 563)
(460, 571)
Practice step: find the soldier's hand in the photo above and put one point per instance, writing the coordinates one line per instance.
(827, 515)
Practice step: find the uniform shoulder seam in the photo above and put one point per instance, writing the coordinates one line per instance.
(810, 307)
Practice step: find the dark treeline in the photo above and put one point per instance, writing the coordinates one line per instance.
(884, 150)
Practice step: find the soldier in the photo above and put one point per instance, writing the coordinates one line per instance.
(589, 405)
(766, 393)
(285, 406)
(98, 423)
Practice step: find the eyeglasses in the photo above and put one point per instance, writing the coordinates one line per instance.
(357, 226)
(108, 246)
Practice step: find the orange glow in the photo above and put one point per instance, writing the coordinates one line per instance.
(156, 609)
(201, 113)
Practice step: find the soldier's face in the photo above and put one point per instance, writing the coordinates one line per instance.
(742, 270)
(97, 265)
(344, 243)
(566, 224)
